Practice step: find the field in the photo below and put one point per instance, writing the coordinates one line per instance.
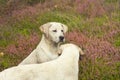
(94, 25)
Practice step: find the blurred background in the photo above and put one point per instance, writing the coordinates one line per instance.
(94, 25)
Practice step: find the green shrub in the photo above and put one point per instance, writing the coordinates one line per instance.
(5, 63)
(3, 2)
(10, 32)
(98, 70)
(31, 2)
(71, 20)
(117, 42)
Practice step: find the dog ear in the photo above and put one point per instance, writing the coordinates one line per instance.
(45, 28)
(60, 49)
(65, 28)
(81, 52)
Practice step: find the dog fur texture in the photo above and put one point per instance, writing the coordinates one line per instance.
(53, 35)
(63, 68)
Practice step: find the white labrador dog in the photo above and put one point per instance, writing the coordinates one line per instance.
(63, 68)
(53, 35)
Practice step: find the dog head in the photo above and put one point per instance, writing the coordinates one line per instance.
(70, 47)
(54, 31)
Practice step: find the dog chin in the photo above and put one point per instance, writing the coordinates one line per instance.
(57, 42)
(61, 41)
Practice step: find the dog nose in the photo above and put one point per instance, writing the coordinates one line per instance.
(61, 38)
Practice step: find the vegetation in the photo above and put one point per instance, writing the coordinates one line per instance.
(94, 25)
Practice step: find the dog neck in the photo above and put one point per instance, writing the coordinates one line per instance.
(70, 60)
(47, 44)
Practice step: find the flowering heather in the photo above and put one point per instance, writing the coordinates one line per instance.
(93, 47)
(28, 11)
(31, 11)
(98, 21)
(76, 37)
(2, 20)
(11, 49)
(110, 35)
(23, 45)
(99, 48)
(90, 8)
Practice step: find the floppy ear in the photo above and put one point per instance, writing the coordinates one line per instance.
(65, 28)
(81, 52)
(59, 52)
(45, 28)
(60, 49)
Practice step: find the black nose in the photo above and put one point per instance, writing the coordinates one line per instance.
(61, 38)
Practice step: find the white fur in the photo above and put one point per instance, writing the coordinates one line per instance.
(47, 48)
(63, 68)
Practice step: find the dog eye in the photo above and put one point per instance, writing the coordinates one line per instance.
(61, 30)
(54, 30)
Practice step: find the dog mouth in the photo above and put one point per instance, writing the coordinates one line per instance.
(59, 40)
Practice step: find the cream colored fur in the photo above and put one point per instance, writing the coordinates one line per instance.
(47, 48)
(63, 68)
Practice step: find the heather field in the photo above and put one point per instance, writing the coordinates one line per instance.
(94, 25)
